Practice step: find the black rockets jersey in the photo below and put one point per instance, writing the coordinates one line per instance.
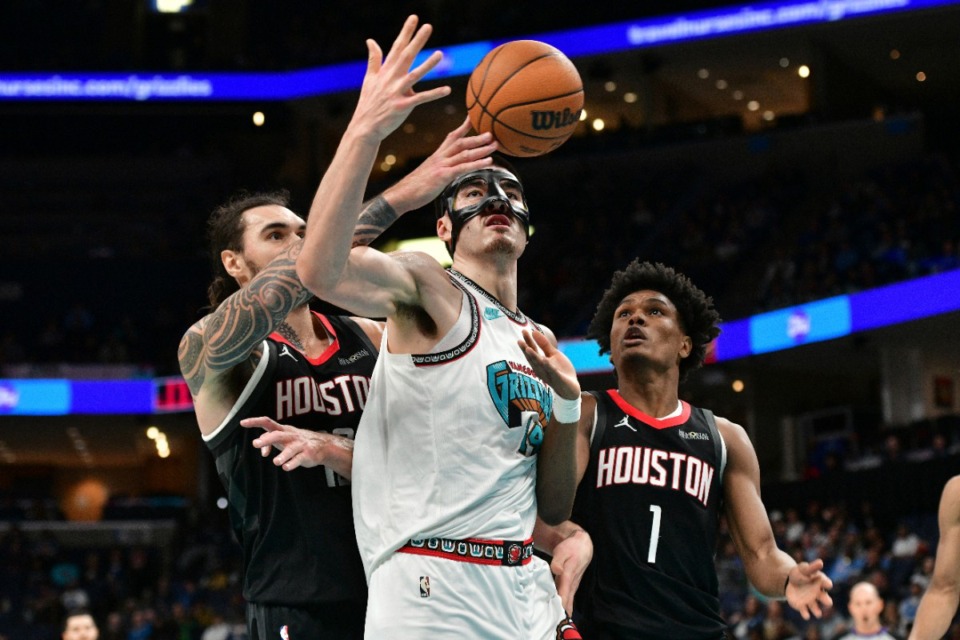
(296, 527)
(650, 498)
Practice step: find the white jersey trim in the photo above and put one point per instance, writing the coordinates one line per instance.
(245, 394)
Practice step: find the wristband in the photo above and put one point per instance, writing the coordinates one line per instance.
(565, 411)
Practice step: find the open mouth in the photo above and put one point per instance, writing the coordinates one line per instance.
(634, 333)
(497, 220)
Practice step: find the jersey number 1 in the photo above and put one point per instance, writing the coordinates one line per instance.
(654, 534)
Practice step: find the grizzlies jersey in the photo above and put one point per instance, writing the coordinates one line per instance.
(296, 527)
(650, 498)
(447, 445)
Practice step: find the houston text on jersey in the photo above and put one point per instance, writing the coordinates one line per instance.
(646, 465)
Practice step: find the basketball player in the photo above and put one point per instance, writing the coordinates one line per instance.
(79, 625)
(865, 607)
(470, 423)
(656, 474)
(939, 603)
(263, 352)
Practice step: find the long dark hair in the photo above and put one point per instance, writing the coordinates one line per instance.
(225, 231)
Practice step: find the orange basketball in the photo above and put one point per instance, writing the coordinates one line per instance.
(528, 95)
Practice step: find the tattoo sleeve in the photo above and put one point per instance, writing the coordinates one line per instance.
(249, 315)
(191, 357)
(376, 216)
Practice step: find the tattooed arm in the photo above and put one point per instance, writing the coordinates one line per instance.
(228, 335)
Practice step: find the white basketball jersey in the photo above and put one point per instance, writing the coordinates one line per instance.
(447, 444)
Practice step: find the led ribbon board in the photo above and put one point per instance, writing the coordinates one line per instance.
(772, 331)
(458, 59)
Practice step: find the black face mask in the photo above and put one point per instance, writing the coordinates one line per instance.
(498, 184)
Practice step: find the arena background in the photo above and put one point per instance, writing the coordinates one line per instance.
(773, 188)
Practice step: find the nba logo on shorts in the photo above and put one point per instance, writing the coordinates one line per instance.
(284, 633)
(424, 586)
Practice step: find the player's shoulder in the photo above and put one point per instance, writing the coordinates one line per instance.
(729, 426)
(953, 485)
(372, 328)
(950, 499)
(428, 274)
(588, 407)
(735, 437)
(547, 331)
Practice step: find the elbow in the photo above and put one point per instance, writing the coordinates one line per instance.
(554, 517)
(554, 511)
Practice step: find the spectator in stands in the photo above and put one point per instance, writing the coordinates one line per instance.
(777, 626)
(831, 624)
(865, 607)
(909, 605)
(750, 618)
(79, 625)
(794, 526)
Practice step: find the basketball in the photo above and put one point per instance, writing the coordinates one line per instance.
(528, 95)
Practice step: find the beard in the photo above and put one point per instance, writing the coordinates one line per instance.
(502, 245)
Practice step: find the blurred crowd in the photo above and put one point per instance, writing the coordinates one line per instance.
(189, 588)
(854, 549)
(185, 590)
(767, 243)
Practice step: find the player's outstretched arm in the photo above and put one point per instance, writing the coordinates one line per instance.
(939, 603)
(387, 97)
(557, 470)
(772, 571)
(229, 334)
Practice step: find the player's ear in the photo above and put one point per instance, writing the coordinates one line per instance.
(445, 228)
(232, 261)
(686, 346)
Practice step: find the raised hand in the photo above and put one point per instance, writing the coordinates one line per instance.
(387, 96)
(550, 364)
(459, 153)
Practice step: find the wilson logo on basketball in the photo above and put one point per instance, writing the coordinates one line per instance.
(545, 120)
